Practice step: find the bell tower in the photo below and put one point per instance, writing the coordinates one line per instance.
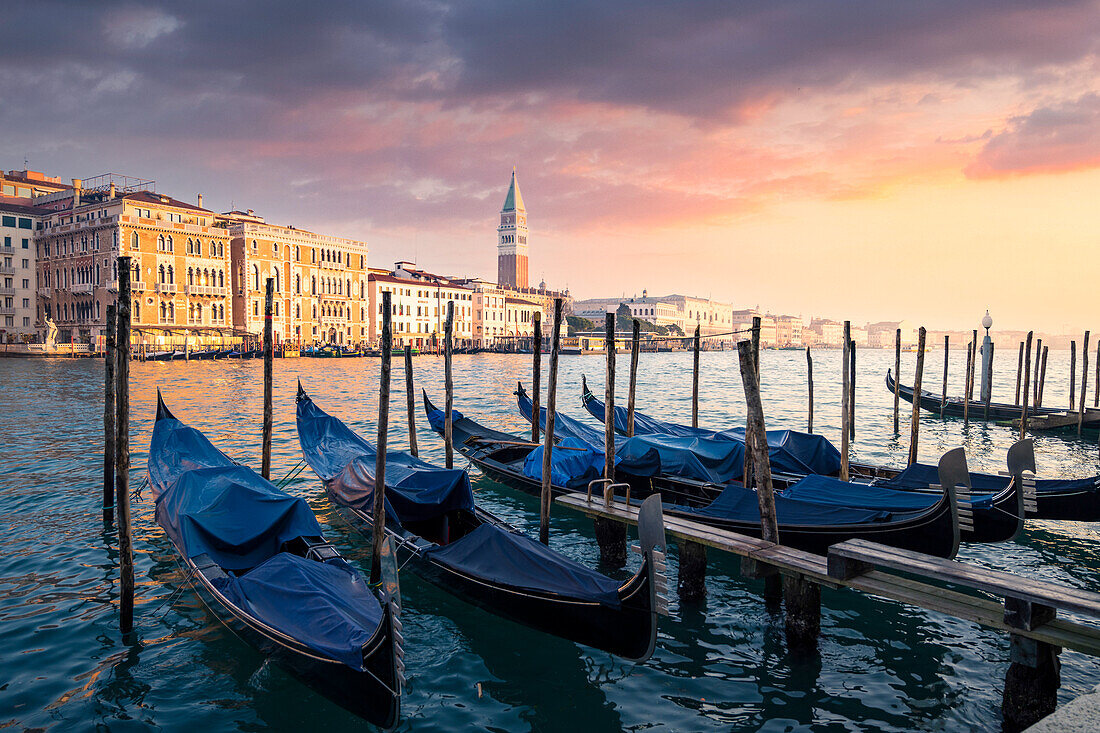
(512, 239)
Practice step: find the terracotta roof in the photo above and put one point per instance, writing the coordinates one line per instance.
(406, 281)
(19, 209)
(149, 197)
(33, 181)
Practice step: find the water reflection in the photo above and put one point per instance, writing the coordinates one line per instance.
(880, 666)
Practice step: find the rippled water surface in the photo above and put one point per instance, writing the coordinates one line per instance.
(723, 665)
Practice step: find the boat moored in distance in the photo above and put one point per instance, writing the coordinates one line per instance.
(805, 466)
(258, 559)
(438, 530)
(511, 460)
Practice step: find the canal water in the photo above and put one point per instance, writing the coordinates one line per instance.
(720, 666)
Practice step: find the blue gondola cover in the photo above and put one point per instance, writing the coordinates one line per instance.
(827, 490)
(921, 475)
(517, 560)
(210, 506)
(789, 451)
(697, 457)
(570, 468)
(737, 503)
(415, 490)
(327, 608)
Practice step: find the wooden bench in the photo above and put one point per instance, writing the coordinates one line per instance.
(1029, 603)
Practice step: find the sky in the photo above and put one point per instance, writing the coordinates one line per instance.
(859, 160)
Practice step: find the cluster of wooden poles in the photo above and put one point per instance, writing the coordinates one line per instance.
(802, 597)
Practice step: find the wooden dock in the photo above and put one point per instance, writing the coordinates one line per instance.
(1057, 420)
(760, 557)
(1027, 609)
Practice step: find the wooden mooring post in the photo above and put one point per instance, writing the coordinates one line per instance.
(269, 358)
(634, 347)
(548, 435)
(802, 598)
(852, 391)
(109, 410)
(989, 381)
(378, 507)
(1042, 374)
(973, 367)
(694, 379)
(611, 535)
(946, 359)
(845, 395)
(810, 392)
(1019, 373)
(536, 372)
(914, 424)
(748, 474)
(897, 377)
(1027, 376)
(1084, 382)
(449, 385)
(122, 450)
(966, 384)
(1072, 374)
(410, 401)
(1035, 383)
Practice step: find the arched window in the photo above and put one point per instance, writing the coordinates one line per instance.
(136, 310)
(170, 249)
(134, 240)
(315, 311)
(276, 307)
(160, 271)
(163, 311)
(190, 246)
(190, 276)
(349, 287)
(221, 278)
(297, 284)
(313, 289)
(172, 312)
(278, 283)
(255, 276)
(160, 243)
(297, 253)
(171, 274)
(297, 310)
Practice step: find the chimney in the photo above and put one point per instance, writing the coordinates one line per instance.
(111, 192)
(77, 183)
(200, 200)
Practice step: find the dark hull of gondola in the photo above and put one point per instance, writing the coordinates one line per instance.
(954, 406)
(367, 693)
(628, 631)
(998, 523)
(1074, 501)
(934, 532)
(372, 693)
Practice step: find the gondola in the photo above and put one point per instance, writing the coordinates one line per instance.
(1076, 500)
(993, 515)
(804, 525)
(438, 530)
(258, 559)
(998, 411)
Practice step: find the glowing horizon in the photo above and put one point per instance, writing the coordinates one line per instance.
(860, 161)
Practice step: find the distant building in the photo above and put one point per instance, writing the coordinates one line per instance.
(320, 281)
(512, 239)
(87, 226)
(828, 332)
(883, 334)
(418, 306)
(17, 264)
(20, 221)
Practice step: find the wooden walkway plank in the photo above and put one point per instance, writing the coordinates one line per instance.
(976, 608)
